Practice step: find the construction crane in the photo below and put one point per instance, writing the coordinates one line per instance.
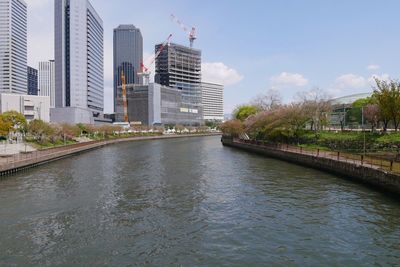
(191, 33)
(146, 68)
(124, 98)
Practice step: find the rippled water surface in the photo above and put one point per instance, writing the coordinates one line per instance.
(191, 202)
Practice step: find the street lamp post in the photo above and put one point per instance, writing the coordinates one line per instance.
(363, 127)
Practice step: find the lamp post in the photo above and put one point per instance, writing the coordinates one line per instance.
(363, 128)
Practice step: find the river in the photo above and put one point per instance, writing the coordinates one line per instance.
(191, 202)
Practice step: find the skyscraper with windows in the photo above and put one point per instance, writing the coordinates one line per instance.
(128, 55)
(79, 55)
(46, 80)
(13, 46)
(32, 81)
(212, 101)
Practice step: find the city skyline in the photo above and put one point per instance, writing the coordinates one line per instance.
(281, 45)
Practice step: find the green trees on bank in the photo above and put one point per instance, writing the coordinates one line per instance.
(244, 111)
(13, 126)
(267, 118)
(382, 109)
(12, 121)
(387, 98)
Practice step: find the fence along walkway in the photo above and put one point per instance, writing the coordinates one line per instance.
(361, 160)
(13, 163)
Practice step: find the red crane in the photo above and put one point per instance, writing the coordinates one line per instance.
(191, 33)
(145, 68)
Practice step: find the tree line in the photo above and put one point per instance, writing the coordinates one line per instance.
(267, 117)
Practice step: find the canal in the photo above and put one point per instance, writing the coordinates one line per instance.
(191, 202)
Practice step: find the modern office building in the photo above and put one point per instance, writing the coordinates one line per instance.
(128, 56)
(46, 81)
(212, 101)
(155, 104)
(179, 67)
(32, 106)
(32, 81)
(13, 46)
(79, 70)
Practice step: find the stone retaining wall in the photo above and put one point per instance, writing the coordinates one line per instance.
(375, 177)
(36, 159)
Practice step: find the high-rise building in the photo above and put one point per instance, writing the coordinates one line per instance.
(46, 82)
(213, 101)
(13, 46)
(179, 67)
(32, 76)
(128, 55)
(79, 70)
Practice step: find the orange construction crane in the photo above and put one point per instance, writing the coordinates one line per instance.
(146, 68)
(124, 98)
(192, 33)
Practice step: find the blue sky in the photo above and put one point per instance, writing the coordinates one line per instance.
(256, 45)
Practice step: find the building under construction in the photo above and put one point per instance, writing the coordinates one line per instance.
(179, 67)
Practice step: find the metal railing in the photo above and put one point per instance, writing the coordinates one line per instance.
(11, 161)
(357, 159)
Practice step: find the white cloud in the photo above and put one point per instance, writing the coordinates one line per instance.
(348, 81)
(286, 79)
(350, 84)
(218, 72)
(373, 67)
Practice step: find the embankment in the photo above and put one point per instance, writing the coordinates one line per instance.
(16, 163)
(370, 175)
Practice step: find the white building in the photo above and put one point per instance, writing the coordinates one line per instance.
(213, 101)
(79, 70)
(32, 106)
(13, 46)
(46, 81)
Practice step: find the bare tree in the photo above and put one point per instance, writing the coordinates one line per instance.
(372, 114)
(316, 106)
(271, 100)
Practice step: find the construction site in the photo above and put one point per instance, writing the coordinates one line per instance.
(175, 96)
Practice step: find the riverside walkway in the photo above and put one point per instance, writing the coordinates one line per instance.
(359, 160)
(24, 160)
(379, 173)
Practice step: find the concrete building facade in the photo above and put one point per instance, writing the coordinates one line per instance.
(155, 104)
(33, 107)
(213, 101)
(128, 56)
(79, 56)
(32, 76)
(13, 46)
(46, 81)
